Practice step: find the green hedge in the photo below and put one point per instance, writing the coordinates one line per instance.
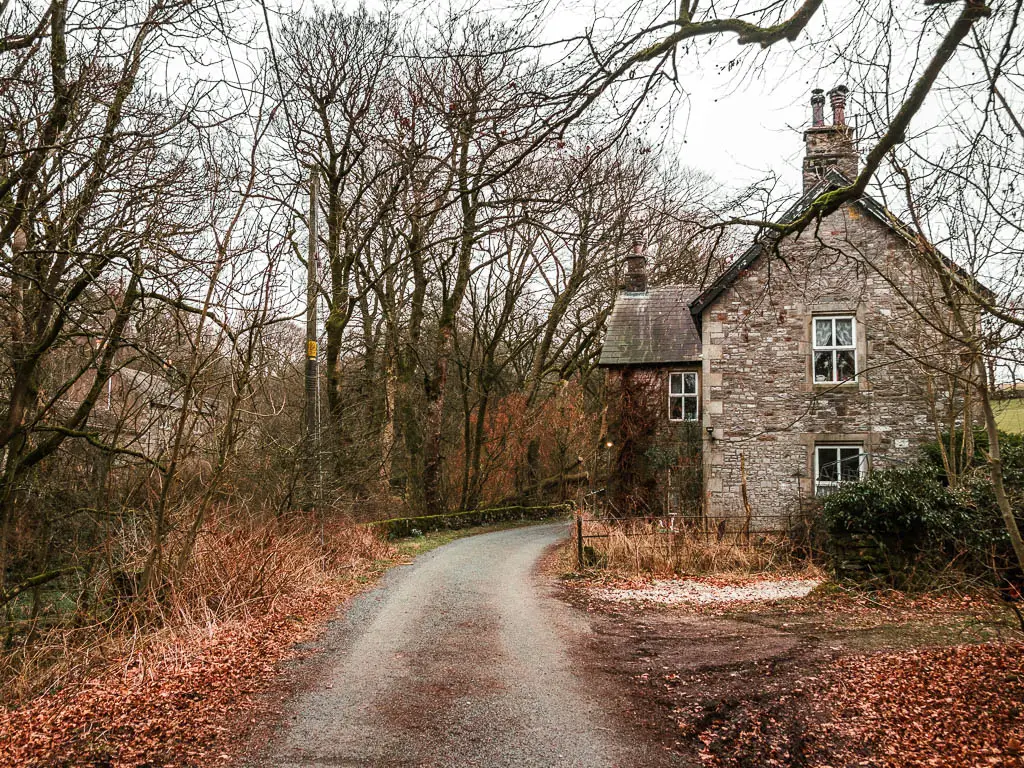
(401, 527)
(906, 524)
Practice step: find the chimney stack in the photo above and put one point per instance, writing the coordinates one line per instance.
(636, 269)
(829, 146)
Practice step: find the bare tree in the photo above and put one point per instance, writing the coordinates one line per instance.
(95, 181)
(337, 79)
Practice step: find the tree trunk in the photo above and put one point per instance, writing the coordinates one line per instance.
(387, 433)
(475, 480)
(433, 426)
(339, 311)
(995, 464)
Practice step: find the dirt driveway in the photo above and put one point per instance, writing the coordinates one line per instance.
(756, 685)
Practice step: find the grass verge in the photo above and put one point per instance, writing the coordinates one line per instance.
(1010, 415)
(418, 545)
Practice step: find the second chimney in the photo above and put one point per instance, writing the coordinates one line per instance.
(829, 146)
(817, 108)
(635, 280)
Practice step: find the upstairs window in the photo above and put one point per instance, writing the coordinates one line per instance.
(835, 350)
(682, 396)
(837, 464)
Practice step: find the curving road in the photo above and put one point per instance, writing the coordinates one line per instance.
(457, 660)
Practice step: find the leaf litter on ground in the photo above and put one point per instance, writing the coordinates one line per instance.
(186, 699)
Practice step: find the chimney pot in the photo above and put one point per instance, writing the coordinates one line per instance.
(817, 107)
(837, 97)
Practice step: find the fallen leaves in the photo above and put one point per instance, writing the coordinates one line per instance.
(957, 706)
(179, 704)
(854, 679)
(184, 690)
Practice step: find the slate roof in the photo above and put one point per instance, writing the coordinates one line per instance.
(653, 327)
(161, 392)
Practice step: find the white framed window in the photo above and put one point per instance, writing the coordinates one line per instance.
(837, 464)
(682, 396)
(835, 349)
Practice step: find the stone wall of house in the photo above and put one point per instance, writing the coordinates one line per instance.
(652, 465)
(760, 400)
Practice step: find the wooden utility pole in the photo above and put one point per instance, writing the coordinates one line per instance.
(312, 420)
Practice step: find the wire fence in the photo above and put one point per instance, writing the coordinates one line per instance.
(595, 520)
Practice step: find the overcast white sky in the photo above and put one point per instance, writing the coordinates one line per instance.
(737, 126)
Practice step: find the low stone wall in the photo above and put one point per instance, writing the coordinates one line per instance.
(401, 527)
(863, 557)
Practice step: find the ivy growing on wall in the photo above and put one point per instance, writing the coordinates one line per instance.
(651, 459)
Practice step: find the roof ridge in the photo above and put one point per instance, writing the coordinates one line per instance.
(832, 179)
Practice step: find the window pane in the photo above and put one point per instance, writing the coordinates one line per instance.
(828, 464)
(845, 367)
(675, 408)
(850, 464)
(690, 383)
(823, 366)
(823, 332)
(844, 331)
(690, 408)
(675, 383)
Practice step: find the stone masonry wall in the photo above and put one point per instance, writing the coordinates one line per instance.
(758, 391)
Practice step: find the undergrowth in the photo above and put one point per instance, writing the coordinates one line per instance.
(640, 547)
(239, 572)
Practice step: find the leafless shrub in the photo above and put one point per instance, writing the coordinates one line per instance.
(641, 547)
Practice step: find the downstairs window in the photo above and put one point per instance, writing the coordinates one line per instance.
(837, 464)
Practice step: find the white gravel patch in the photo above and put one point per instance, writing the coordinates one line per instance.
(676, 592)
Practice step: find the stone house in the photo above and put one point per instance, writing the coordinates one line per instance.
(139, 411)
(810, 361)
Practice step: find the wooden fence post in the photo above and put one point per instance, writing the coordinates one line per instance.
(579, 542)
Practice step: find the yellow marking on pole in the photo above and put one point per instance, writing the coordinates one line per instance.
(311, 350)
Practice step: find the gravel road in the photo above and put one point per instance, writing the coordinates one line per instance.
(459, 659)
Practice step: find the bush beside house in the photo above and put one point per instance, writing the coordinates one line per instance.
(908, 524)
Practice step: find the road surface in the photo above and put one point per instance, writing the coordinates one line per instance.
(460, 659)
